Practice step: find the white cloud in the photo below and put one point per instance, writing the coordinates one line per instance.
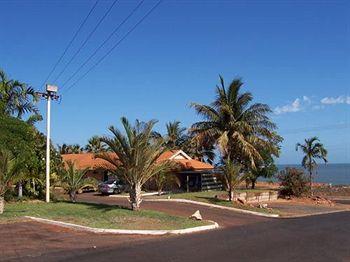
(336, 100)
(307, 99)
(291, 108)
(305, 102)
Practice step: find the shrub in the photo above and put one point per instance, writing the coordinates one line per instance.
(293, 182)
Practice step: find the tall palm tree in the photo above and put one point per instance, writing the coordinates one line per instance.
(73, 179)
(95, 145)
(135, 157)
(17, 98)
(9, 168)
(175, 135)
(312, 149)
(239, 128)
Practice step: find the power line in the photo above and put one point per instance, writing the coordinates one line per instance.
(104, 42)
(117, 44)
(70, 43)
(86, 40)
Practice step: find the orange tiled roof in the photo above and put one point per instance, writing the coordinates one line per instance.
(193, 164)
(88, 160)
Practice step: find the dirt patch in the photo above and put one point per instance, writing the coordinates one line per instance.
(306, 206)
(333, 191)
(315, 200)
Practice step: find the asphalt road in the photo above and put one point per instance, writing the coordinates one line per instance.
(315, 238)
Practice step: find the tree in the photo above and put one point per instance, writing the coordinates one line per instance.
(72, 179)
(94, 145)
(293, 182)
(70, 149)
(135, 156)
(175, 135)
(238, 128)
(162, 179)
(232, 176)
(9, 168)
(200, 148)
(28, 145)
(312, 149)
(265, 168)
(17, 98)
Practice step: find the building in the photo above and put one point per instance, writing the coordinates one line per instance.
(193, 174)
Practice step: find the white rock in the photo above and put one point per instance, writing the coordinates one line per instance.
(196, 215)
(262, 205)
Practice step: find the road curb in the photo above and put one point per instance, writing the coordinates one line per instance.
(142, 195)
(315, 214)
(125, 231)
(214, 206)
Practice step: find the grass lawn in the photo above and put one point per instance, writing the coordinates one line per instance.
(209, 197)
(96, 215)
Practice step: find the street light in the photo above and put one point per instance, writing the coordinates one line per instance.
(51, 93)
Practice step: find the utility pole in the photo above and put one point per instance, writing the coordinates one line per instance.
(51, 94)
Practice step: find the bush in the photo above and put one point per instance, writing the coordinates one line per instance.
(293, 182)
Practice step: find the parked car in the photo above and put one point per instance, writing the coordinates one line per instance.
(111, 187)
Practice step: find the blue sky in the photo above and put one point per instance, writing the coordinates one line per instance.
(292, 55)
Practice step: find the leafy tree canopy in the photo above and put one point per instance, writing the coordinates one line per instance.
(16, 136)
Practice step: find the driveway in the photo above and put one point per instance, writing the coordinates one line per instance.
(225, 218)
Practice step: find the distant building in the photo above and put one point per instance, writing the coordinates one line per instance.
(193, 174)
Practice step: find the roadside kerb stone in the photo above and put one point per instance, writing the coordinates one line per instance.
(126, 231)
(214, 206)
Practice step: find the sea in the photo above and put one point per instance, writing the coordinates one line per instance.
(335, 174)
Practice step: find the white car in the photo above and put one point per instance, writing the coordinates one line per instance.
(111, 187)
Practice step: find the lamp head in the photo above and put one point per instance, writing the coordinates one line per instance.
(51, 88)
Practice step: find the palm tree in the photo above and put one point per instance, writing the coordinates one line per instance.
(70, 149)
(200, 148)
(63, 149)
(73, 179)
(239, 129)
(76, 149)
(135, 156)
(312, 149)
(17, 97)
(232, 176)
(175, 135)
(9, 168)
(162, 179)
(94, 145)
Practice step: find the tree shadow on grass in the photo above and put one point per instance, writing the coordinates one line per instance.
(100, 207)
